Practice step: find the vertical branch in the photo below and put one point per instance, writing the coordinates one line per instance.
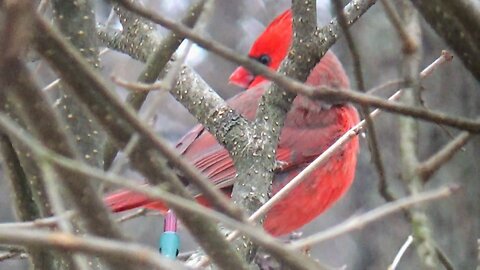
(53, 186)
(14, 38)
(76, 21)
(255, 163)
(25, 207)
(408, 140)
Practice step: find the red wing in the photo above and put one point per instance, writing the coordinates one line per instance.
(209, 157)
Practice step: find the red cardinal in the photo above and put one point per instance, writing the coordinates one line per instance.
(310, 128)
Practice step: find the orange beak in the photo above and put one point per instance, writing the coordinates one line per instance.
(241, 77)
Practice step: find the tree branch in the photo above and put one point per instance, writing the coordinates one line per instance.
(359, 222)
(408, 141)
(120, 122)
(107, 249)
(156, 60)
(428, 167)
(76, 21)
(458, 23)
(25, 207)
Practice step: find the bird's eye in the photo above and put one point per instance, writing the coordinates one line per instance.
(264, 59)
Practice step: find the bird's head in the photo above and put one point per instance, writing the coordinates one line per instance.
(269, 49)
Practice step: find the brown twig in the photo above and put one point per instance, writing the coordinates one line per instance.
(428, 167)
(49, 222)
(359, 222)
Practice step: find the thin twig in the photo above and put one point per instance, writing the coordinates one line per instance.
(400, 253)
(137, 86)
(428, 167)
(49, 222)
(139, 213)
(445, 57)
(357, 223)
(106, 248)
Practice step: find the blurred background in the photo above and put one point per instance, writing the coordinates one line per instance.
(451, 89)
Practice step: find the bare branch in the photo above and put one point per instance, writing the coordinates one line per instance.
(420, 113)
(108, 249)
(428, 167)
(421, 228)
(25, 206)
(357, 223)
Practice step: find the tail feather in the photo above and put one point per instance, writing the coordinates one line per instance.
(126, 200)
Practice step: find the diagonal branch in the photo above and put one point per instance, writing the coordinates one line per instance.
(357, 223)
(428, 167)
